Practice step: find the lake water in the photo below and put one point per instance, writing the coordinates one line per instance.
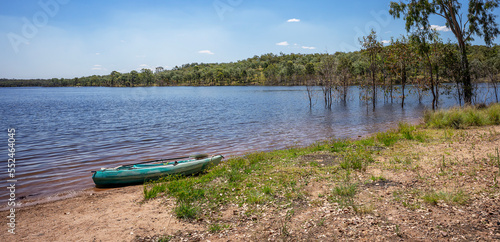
(64, 133)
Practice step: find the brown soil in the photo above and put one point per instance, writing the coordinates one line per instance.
(388, 208)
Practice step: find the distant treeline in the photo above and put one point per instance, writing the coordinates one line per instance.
(403, 61)
(269, 69)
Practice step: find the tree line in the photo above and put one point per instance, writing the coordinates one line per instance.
(404, 61)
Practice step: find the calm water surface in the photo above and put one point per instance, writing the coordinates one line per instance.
(64, 133)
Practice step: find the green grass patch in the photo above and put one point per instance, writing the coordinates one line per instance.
(407, 198)
(388, 138)
(356, 159)
(404, 131)
(185, 210)
(165, 238)
(345, 190)
(276, 178)
(458, 197)
(344, 194)
(152, 190)
(377, 178)
(460, 118)
(216, 227)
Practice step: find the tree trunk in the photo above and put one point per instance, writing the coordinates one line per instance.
(466, 80)
(373, 88)
(432, 87)
(403, 83)
(437, 86)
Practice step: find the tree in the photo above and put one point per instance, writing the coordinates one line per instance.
(147, 76)
(159, 69)
(310, 81)
(372, 47)
(492, 70)
(426, 43)
(480, 21)
(115, 78)
(451, 67)
(134, 78)
(326, 73)
(400, 59)
(344, 70)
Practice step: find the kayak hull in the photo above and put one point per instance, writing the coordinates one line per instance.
(140, 173)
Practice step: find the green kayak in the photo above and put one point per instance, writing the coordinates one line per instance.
(139, 173)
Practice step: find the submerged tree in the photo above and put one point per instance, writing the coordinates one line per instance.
(492, 70)
(372, 47)
(426, 45)
(310, 81)
(480, 21)
(399, 59)
(326, 74)
(344, 71)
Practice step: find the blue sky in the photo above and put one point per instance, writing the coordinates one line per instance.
(70, 38)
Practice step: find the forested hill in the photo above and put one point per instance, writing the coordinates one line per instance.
(283, 69)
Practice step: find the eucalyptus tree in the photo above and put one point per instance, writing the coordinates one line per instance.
(345, 69)
(451, 69)
(326, 75)
(479, 21)
(310, 72)
(400, 58)
(372, 47)
(426, 45)
(493, 70)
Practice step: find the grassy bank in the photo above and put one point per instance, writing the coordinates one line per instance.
(277, 178)
(414, 165)
(459, 118)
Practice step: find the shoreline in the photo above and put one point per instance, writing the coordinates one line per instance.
(122, 214)
(48, 197)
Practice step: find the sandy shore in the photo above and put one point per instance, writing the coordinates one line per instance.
(394, 206)
(112, 215)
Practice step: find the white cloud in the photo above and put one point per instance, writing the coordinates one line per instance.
(97, 53)
(97, 65)
(284, 43)
(143, 65)
(293, 20)
(440, 28)
(308, 47)
(206, 52)
(385, 41)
